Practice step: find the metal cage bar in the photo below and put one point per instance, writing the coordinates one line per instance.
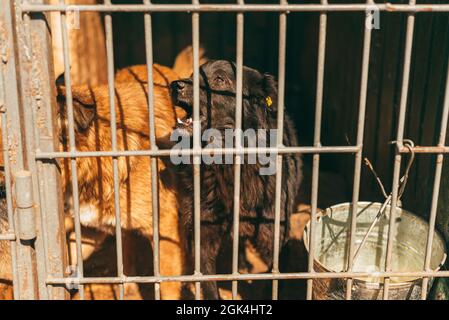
(10, 236)
(72, 147)
(12, 101)
(196, 7)
(51, 255)
(399, 139)
(360, 134)
(436, 187)
(193, 152)
(255, 276)
(154, 168)
(196, 146)
(111, 87)
(238, 142)
(317, 144)
(279, 142)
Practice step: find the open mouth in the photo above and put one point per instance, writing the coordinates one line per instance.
(185, 122)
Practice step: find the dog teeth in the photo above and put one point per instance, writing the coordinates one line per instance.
(186, 122)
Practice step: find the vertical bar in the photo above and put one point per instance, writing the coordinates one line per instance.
(33, 142)
(50, 243)
(111, 86)
(45, 176)
(360, 134)
(72, 146)
(10, 210)
(317, 143)
(196, 146)
(399, 139)
(154, 175)
(24, 281)
(436, 188)
(280, 134)
(238, 158)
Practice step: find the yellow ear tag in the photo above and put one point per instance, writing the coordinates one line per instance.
(269, 101)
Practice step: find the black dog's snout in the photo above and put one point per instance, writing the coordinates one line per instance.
(180, 92)
(178, 85)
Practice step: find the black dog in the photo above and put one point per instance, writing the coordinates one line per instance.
(257, 200)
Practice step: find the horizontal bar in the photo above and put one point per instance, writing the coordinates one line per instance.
(236, 277)
(237, 8)
(7, 237)
(188, 152)
(425, 149)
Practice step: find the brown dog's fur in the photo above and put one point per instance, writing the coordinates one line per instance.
(95, 175)
(5, 257)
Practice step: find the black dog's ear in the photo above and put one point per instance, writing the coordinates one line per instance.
(60, 80)
(83, 105)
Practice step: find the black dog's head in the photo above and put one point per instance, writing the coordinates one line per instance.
(218, 97)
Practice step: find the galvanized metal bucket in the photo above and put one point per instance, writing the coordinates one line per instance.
(409, 248)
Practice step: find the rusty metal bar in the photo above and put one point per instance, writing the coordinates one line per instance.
(190, 152)
(360, 134)
(196, 146)
(255, 276)
(399, 139)
(279, 142)
(436, 187)
(111, 87)
(50, 243)
(153, 161)
(238, 158)
(11, 236)
(317, 143)
(72, 147)
(424, 149)
(31, 80)
(196, 7)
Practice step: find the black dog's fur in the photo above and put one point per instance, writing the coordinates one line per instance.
(257, 199)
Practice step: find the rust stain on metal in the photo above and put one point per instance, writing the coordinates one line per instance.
(13, 144)
(36, 83)
(4, 50)
(389, 7)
